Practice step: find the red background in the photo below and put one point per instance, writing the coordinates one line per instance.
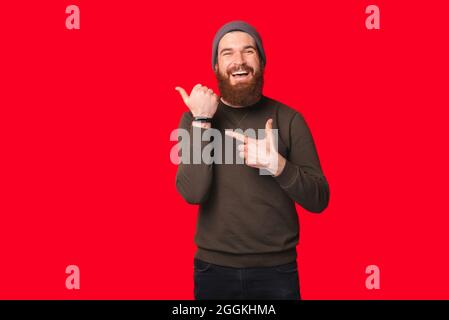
(86, 116)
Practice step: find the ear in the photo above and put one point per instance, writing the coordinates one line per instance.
(216, 67)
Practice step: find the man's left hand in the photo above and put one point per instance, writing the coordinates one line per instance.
(260, 153)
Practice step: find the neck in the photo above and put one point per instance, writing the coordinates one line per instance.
(234, 106)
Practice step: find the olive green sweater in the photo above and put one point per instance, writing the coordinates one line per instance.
(247, 219)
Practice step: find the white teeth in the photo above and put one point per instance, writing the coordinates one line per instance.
(239, 73)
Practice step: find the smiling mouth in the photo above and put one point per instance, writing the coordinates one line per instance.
(240, 74)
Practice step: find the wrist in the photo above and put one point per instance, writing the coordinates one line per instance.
(200, 124)
(203, 115)
(280, 166)
(202, 121)
(202, 118)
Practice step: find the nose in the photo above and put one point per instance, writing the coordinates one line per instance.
(239, 58)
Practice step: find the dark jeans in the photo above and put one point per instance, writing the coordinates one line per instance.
(214, 282)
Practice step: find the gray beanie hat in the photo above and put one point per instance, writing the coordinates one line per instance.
(237, 26)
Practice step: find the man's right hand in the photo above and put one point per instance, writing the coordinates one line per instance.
(202, 101)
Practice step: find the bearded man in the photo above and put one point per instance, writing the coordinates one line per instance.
(247, 228)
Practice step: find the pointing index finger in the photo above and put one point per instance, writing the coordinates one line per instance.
(237, 135)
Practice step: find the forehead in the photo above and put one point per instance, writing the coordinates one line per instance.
(236, 39)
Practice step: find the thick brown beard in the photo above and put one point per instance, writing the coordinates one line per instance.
(241, 94)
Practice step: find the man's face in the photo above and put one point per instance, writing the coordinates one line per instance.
(238, 70)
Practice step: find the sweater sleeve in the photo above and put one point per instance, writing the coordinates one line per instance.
(302, 178)
(194, 176)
